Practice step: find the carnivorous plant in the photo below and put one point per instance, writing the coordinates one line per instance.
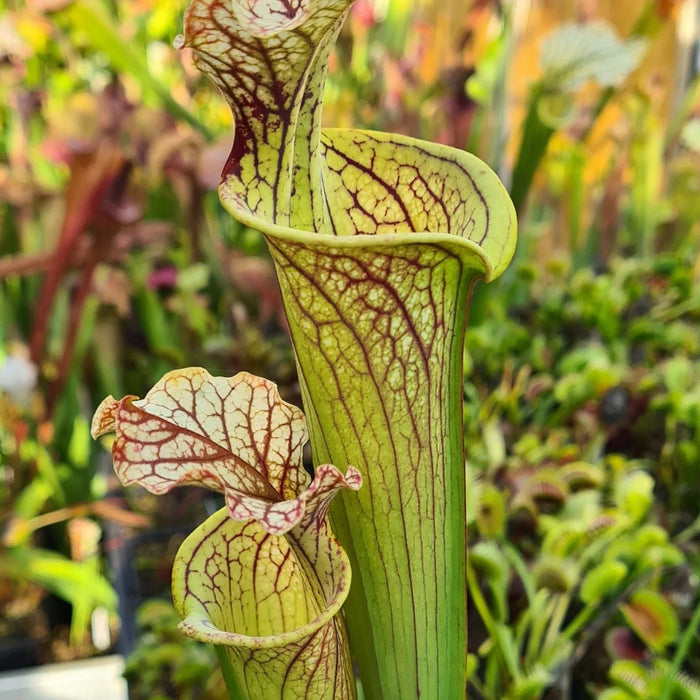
(378, 241)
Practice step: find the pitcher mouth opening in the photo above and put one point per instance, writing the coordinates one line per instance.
(472, 227)
(203, 628)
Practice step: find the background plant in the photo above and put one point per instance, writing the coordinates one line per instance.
(590, 349)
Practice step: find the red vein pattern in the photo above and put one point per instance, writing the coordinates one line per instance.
(378, 241)
(376, 305)
(387, 184)
(272, 602)
(233, 435)
(264, 577)
(271, 67)
(378, 335)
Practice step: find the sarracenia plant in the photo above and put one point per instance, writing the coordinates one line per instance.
(378, 241)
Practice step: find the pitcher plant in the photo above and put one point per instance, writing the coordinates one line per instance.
(378, 241)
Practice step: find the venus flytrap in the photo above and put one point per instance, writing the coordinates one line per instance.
(378, 241)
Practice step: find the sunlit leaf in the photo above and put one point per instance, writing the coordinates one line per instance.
(377, 240)
(71, 580)
(616, 694)
(533, 685)
(555, 574)
(634, 494)
(602, 581)
(487, 558)
(580, 475)
(690, 136)
(491, 513)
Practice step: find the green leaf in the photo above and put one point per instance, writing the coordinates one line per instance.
(32, 498)
(650, 535)
(472, 665)
(494, 443)
(193, 278)
(533, 685)
(630, 676)
(677, 374)
(79, 446)
(602, 581)
(555, 574)
(491, 513)
(71, 580)
(483, 83)
(487, 558)
(635, 494)
(690, 135)
(48, 470)
(580, 476)
(271, 602)
(378, 241)
(616, 694)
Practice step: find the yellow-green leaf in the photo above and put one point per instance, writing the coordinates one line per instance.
(378, 241)
(272, 601)
(264, 577)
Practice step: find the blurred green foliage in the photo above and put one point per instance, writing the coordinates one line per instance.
(582, 368)
(167, 665)
(583, 459)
